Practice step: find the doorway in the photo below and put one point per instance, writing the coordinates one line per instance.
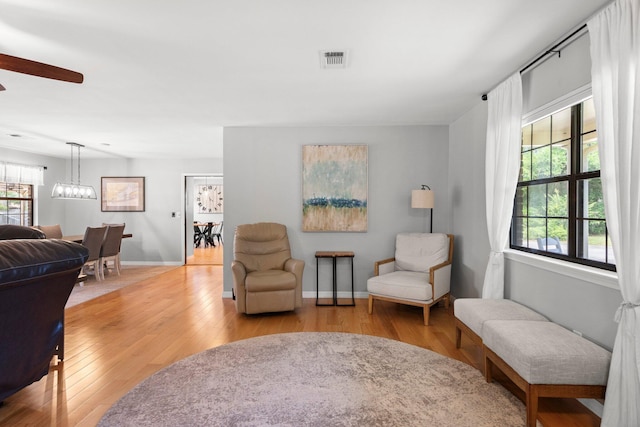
(204, 219)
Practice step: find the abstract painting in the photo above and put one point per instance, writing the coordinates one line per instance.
(334, 187)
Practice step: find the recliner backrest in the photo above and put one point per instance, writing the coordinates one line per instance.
(421, 251)
(261, 246)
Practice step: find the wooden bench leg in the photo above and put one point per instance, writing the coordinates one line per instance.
(458, 337)
(370, 304)
(488, 365)
(532, 405)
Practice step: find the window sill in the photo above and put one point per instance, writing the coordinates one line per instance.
(597, 276)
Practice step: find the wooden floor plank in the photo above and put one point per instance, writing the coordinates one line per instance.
(119, 339)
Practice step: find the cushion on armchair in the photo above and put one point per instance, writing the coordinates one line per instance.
(421, 251)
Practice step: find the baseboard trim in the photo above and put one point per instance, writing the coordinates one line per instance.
(150, 263)
(312, 294)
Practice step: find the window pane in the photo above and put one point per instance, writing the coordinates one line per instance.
(16, 203)
(537, 230)
(525, 167)
(558, 199)
(588, 116)
(561, 122)
(557, 234)
(520, 205)
(595, 245)
(526, 138)
(541, 132)
(537, 200)
(541, 162)
(590, 156)
(520, 232)
(560, 158)
(591, 192)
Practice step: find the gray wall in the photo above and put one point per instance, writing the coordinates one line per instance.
(263, 169)
(157, 237)
(467, 138)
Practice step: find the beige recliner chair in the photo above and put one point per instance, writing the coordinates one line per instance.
(265, 277)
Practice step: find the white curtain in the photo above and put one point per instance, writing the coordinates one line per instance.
(21, 174)
(615, 55)
(502, 163)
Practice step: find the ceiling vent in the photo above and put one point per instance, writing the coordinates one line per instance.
(333, 58)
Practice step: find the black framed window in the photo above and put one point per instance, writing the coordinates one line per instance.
(16, 204)
(559, 209)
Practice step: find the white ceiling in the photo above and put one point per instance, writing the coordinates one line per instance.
(162, 78)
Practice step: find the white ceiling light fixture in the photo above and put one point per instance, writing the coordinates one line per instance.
(333, 59)
(73, 190)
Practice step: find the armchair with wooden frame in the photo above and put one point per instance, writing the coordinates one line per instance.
(418, 275)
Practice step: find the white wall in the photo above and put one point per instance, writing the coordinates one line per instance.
(263, 169)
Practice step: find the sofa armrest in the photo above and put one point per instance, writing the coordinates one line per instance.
(384, 266)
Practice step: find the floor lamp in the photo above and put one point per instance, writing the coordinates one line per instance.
(423, 199)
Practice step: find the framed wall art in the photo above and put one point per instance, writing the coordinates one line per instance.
(122, 194)
(334, 187)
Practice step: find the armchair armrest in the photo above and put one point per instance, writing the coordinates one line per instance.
(384, 266)
(440, 278)
(296, 266)
(239, 276)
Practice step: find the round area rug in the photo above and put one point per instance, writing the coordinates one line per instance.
(317, 379)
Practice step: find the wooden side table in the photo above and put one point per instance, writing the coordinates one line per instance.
(334, 255)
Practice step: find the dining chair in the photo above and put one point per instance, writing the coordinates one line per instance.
(208, 230)
(217, 234)
(93, 238)
(197, 235)
(110, 250)
(51, 231)
(124, 225)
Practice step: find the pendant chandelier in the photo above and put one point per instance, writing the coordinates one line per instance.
(74, 190)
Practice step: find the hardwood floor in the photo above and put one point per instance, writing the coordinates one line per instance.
(119, 339)
(209, 255)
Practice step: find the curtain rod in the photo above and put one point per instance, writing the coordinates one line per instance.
(552, 48)
(24, 164)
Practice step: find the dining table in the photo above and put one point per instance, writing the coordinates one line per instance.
(77, 238)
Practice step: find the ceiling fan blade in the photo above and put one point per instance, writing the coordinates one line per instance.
(34, 68)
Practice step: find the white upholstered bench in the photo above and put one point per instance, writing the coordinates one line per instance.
(544, 360)
(471, 314)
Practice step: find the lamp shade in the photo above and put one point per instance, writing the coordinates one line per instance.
(422, 199)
